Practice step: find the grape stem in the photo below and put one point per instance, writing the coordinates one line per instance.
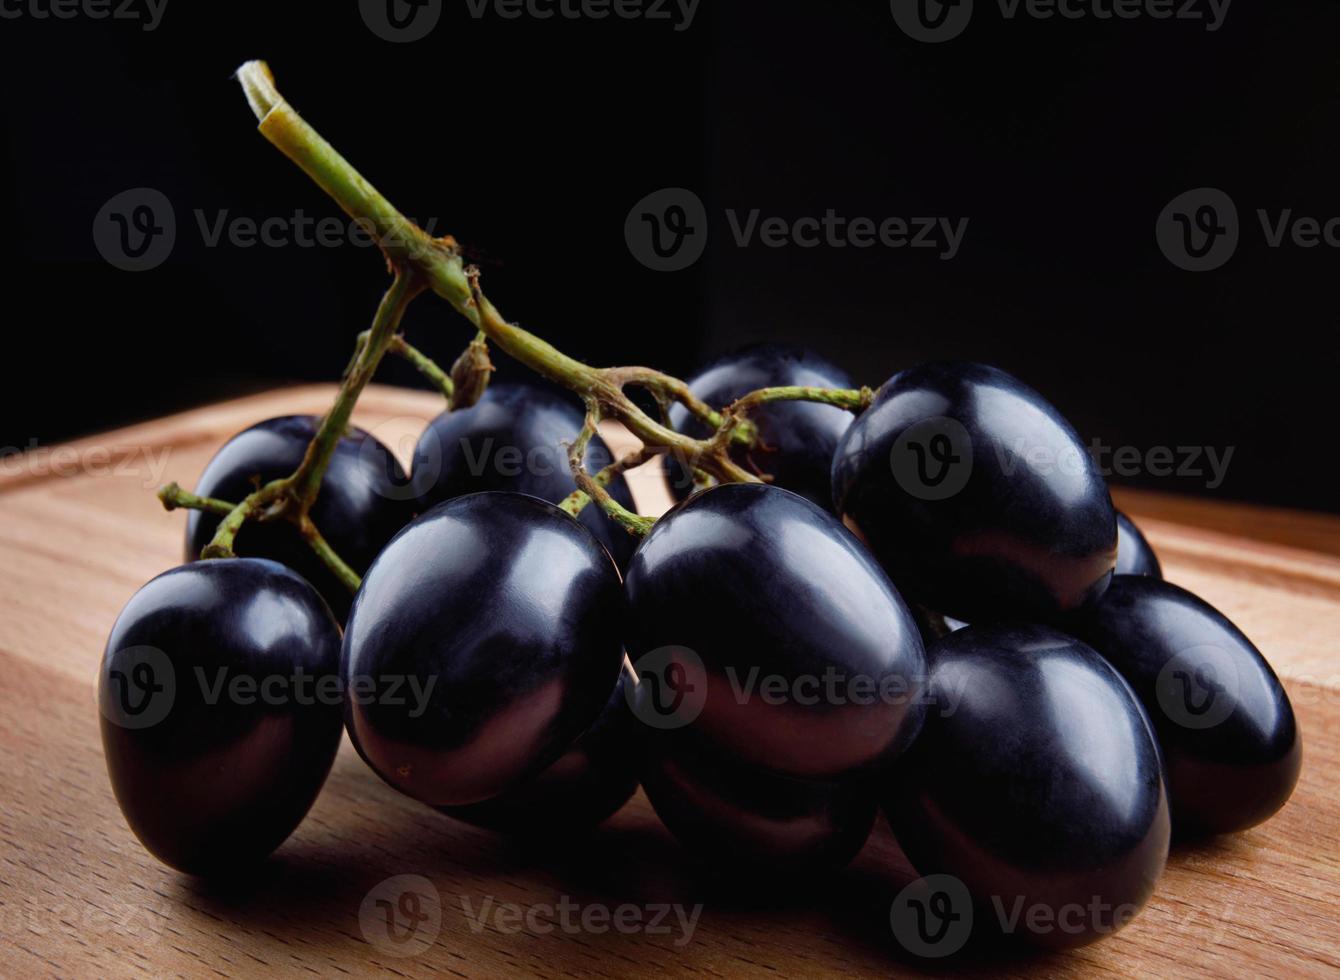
(576, 501)
(174, 497)
(291, 498)
(439, 262)
(421, 262)
(438, 379)
(592, 487)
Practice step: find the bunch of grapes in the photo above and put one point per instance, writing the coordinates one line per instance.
(918, 599)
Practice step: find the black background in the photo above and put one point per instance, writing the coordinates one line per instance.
(530, 140)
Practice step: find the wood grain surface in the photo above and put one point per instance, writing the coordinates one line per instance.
(80, 531)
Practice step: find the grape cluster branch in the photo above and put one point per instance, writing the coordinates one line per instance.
(421, 262)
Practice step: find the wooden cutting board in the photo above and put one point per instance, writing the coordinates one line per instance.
(80, 531)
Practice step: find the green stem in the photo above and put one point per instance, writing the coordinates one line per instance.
(425, 365)
(173, 497)
(439, 262)
(576, 501)
(327, 554)
(853, 400)
(666, 386)
(306, 482)
(437, 265)
(605, 387)
(255, 506)
(403, 241)
(634, 524)
(292, 497)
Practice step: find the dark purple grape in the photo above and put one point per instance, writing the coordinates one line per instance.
(797, 438)
(588, 783)
(977, 496)
(1230, 743)
(486, 639)
(516, 439)
(221, 710)
(1135, 555)
(1035, 783)
(364, 500)
(737, 815)
(754, 611)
